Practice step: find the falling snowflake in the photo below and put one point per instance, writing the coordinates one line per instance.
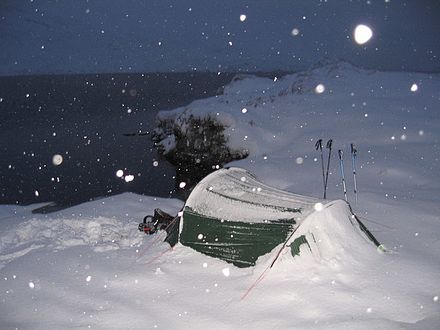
(226, 272)
(57, 159)
(318, 207)
(129, 178)
(320, 88)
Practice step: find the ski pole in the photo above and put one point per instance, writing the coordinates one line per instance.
(318, 145)
(353, 164)
(329, 147)
(341, 165)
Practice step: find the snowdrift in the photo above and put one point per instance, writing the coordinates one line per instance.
(333, 231)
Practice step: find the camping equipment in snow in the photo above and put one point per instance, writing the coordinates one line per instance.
(353, 150)
(232, 216)
(318, 146)
(341, 167)
(329, 147)
(152, 223)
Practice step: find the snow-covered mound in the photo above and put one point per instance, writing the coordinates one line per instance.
(333, 234)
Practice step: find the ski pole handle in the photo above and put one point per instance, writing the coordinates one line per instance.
(353, 149)
(329, 144)
(318, 144)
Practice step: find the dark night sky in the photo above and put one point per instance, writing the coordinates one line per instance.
(48, 36)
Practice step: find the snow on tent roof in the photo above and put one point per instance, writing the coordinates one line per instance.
(232, 216)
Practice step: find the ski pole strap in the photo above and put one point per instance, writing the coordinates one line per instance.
(318, 144)
(329, 144)
(353, 149)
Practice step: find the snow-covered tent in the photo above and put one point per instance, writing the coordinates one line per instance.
(232, 216)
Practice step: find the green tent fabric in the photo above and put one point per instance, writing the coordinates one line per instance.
(232, 216)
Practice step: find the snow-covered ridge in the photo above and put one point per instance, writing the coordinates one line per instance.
(272, 114)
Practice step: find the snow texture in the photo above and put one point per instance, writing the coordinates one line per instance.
(236, 195)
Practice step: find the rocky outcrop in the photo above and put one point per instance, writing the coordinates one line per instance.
(195, 145)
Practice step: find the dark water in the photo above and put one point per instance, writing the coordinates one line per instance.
(89, 120)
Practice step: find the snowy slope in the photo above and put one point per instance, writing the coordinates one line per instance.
(278, 122)
(89, 267)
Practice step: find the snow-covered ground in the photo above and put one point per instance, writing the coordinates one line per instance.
(89, 267)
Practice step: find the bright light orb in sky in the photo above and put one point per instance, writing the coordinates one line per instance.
(242, 17)
(362, 34)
